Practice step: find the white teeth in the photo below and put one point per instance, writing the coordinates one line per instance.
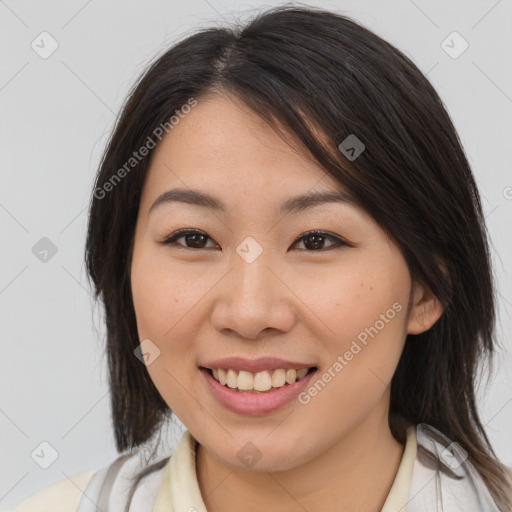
(245, 380)
(259, 381)
(301, 373)
(278, 378)
(262, 381)
(291, 376)
(232, 379)
(222, 376)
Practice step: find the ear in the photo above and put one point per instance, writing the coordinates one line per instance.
(425, 309)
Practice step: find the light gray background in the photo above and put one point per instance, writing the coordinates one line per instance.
(56, 114)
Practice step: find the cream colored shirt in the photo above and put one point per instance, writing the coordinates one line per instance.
(179, 490)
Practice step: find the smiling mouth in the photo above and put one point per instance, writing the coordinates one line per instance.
(258, 382)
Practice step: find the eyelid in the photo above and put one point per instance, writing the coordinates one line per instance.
(171, 239)
(339, 240)
(327, 234)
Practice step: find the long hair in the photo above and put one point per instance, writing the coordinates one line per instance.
(323, 77)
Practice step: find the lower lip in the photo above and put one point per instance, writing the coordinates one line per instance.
(253, 404)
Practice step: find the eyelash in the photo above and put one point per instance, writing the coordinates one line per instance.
(171, 240)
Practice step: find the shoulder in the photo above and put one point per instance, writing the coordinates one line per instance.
(62, 496)
(107, 487)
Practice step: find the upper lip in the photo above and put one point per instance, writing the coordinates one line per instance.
(254, 365)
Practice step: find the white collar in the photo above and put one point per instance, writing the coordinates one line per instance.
(421, 484)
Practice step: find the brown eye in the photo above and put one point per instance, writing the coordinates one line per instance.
(315, 241)
(194, 239)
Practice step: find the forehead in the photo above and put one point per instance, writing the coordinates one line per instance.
(223, 145)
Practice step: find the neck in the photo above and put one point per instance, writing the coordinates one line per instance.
(356, 473)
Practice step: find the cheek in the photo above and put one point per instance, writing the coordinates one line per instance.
(358, 365)
(169, 302)
(165, 296)
(167, 313)
(347, 300)
(364, 310)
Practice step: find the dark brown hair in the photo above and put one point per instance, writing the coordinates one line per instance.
(309, 68)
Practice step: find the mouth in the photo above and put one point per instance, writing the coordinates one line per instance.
(262, 397)
(264, 381)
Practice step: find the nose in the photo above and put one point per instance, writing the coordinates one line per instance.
(253, 298)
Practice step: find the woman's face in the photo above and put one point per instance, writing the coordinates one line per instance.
(253, 284)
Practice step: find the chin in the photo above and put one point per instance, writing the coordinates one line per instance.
(263, 456)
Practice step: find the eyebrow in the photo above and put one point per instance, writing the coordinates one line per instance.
(294, 204)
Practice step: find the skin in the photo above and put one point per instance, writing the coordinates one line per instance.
(295, 302)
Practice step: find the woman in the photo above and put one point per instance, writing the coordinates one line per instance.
(289, 245)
